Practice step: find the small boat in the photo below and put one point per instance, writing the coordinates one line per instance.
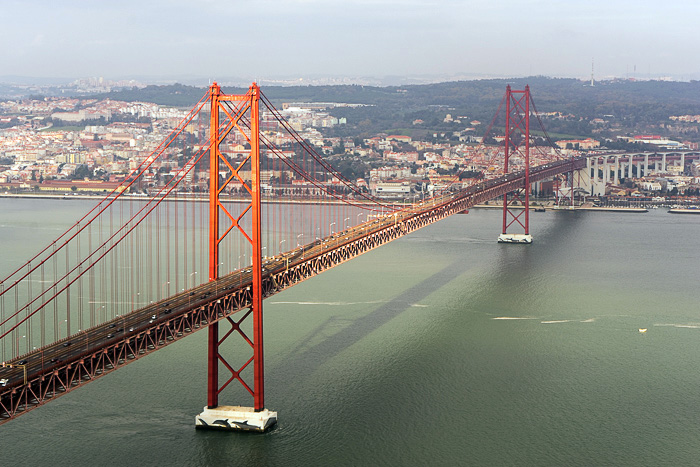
(642, 329)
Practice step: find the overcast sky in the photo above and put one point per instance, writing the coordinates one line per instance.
(266, 39)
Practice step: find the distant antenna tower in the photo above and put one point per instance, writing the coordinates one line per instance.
(592, 80)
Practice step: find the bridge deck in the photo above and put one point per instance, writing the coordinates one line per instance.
(51, 371)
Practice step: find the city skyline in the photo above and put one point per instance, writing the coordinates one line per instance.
(276, 40)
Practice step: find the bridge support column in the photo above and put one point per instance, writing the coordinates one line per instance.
(663, 163)
(590, 177)
(606, 171)
(629, 168)
(616, 179)
(646, 165)
(682, 163)
(595, 170)
(596, 181)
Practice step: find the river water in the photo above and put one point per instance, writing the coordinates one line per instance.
(441, 348)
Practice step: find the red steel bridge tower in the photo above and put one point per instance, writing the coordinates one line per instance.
(516, 207)
(242, 115)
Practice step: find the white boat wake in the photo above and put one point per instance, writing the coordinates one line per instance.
(675, 325)
(510, 317)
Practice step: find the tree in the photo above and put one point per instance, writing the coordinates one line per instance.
(73, 188)
(81, 172)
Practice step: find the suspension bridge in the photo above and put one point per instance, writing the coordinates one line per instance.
(232, 207)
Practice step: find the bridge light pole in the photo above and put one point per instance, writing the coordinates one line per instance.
(301, 235)
(345, 223)
(358, 217)
(18, 338)
(330, 228)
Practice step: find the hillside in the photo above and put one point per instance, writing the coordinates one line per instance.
(629, 106)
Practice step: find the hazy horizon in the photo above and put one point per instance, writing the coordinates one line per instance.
(333, 40)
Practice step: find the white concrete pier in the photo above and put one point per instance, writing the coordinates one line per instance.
(515, 238)
(236, 418)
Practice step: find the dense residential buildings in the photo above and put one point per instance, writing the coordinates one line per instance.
(58, 145)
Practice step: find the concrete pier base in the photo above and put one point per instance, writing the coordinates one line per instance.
(515, 238)
(236, 418)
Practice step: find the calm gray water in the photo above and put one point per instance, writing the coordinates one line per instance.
(441, 348)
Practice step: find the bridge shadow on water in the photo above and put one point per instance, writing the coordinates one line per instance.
(511, 264)
(305, 359)
(515, 264)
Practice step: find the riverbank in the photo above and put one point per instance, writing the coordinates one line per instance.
(179, 198)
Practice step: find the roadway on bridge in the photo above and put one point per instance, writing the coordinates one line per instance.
(88, 343)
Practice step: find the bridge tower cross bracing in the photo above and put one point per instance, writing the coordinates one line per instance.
(516, 208)
(255, 418)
